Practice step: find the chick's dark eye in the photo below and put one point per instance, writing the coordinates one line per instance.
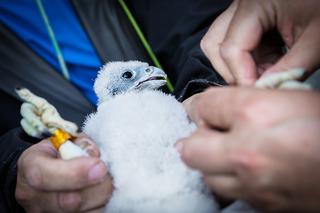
(127, 75)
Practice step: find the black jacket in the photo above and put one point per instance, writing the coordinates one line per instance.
(174, 29)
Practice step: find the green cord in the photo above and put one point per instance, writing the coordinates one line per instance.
(53, 39)
(143, 40)
(136, 27)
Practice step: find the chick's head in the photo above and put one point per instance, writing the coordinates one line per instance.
(121, 77)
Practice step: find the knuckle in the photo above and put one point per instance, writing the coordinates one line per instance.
(248, 164)
(70, 201)
(205, 44)
(248, 107)
(34, 177)
(22, 196)
(79, 175)
(253, 175)
(230, 79)
(202, 103)
(253, 110)
(246, 112)
(227, 50)
(210, 41)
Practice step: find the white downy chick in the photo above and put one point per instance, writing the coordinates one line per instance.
(136, 128)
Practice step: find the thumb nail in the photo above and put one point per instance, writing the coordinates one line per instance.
(97, 172)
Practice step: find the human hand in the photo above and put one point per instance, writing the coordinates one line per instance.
(258, 145)
(190, 102)
(48, 184)
(242, 46)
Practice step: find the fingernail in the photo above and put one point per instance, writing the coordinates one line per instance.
(179, 147)
(97, 172)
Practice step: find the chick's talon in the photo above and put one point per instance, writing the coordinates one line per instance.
(41, 115)
(31, 122)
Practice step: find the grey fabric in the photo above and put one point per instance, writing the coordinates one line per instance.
(20, 66)
(109, 30)
(314, 80)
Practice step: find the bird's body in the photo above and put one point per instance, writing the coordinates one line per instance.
(136, 130)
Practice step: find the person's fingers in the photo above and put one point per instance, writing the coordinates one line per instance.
(230, 108)
(220, 108)
(88, 145)
(243, 36)
(43, 171)
(97, 196)
(211, 108)
(210, 44)
(206, 151)
(227, 185)
(46, 201)
(87, 199)
(190, 105)
(303, 54)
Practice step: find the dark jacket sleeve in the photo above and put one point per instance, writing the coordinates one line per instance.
(20, 66)
(174, 29)
(12, 144)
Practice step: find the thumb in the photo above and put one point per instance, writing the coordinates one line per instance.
(303, 54)
(43, 171)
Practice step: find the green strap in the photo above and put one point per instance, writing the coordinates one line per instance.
(133, 22)
(143, 40)
(53, 39)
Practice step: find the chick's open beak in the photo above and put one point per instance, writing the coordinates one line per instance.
(154, 79)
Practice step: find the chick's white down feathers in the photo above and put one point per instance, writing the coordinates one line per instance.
(136, 132)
